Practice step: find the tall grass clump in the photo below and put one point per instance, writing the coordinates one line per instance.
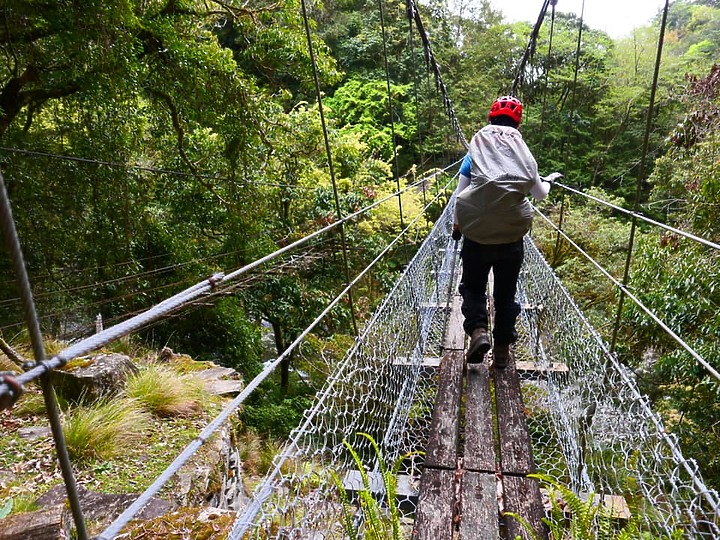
(104, 429)
(164, 392)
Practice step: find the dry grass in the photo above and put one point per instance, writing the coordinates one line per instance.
(8, 365)
(256, 452)
(164, 392)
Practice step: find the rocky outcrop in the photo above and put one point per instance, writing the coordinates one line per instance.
(93, 377)
(54, 520)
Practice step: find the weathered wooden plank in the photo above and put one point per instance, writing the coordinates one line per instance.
(515, 447)
(455, 335)
(479, 441)
(428, 361)
(478, 507)
(406, 494)
(521, 496)
(534, 367)
(434, 516)
(405, 487)
(444, 437)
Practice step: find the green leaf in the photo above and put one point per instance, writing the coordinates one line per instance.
(6, 508)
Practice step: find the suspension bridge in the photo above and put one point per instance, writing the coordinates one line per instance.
(569, 409)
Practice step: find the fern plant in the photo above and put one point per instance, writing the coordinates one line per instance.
(381, 520)
(587, 519)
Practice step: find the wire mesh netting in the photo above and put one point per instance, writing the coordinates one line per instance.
(591, 428)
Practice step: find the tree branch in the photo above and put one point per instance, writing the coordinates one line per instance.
(11, 353)
(180, 131)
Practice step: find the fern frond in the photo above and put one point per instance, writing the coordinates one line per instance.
(525, 524)
(347, 515)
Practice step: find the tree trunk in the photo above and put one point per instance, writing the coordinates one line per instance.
(280, 346)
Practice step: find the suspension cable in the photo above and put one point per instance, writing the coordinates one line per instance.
(530, 49)
(413, 12)
(553, 3)
(641, 217)
(143, 168)
(331, 167)
(641, 169)
(391, 111)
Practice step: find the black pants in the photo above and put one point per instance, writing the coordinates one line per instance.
(505, 261)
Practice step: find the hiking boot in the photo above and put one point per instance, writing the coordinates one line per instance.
(501, 356)
(479, 345)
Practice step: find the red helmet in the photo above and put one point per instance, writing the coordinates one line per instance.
(507, 106)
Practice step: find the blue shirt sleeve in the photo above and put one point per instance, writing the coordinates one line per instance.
(466, 166)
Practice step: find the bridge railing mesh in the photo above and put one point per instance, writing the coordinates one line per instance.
(592, 429)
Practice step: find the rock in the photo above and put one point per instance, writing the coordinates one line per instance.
(219, 485)
(33, 433)
(218, 372)
(99, 376)
(224, 388)
(48, 524)
(103, 508)
(216, 383)
(165, 355)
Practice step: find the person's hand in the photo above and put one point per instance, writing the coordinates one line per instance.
(550, 178)
(456, 234)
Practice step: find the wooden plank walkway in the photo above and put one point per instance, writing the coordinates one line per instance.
(468, 481)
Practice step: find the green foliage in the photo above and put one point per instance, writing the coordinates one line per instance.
(256, 452)
(361, 107)
(276, 419)
(585, 518)
(678, 278)
(104, 429)
(381, 520)
(31, 404)
(601, 235)
(6, 508)
(222, 333)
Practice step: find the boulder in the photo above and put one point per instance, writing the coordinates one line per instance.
(94, 377)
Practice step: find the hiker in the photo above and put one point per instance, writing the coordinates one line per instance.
(493, 214)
